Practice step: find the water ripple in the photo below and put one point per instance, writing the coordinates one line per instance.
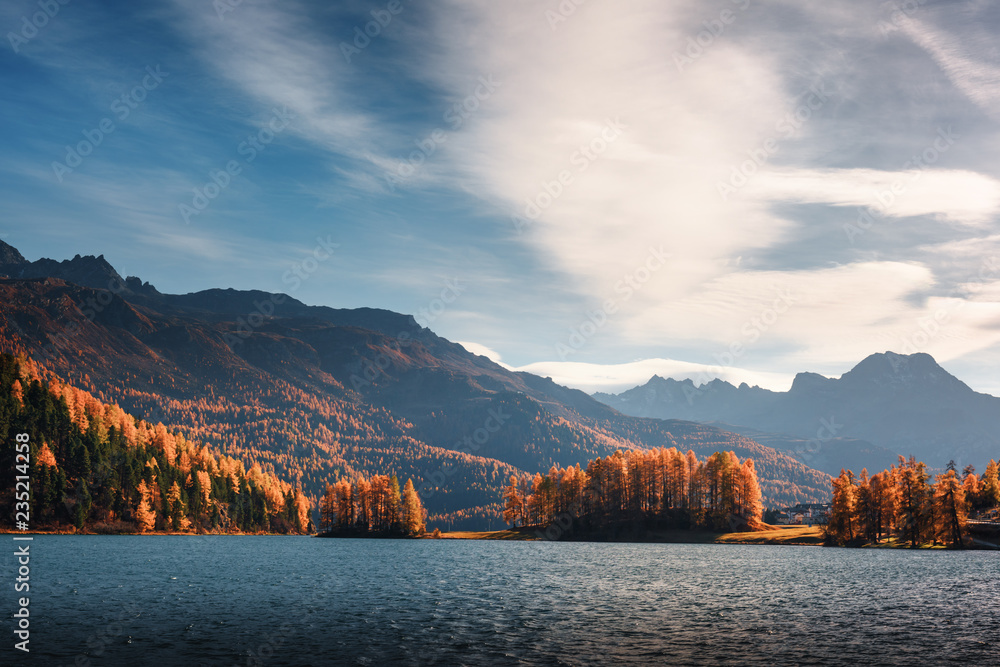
(297, 601)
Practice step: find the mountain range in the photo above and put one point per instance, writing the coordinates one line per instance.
(314, 393)
(888, 405)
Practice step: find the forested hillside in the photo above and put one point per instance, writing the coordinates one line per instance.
(314, 394)
(95, 467)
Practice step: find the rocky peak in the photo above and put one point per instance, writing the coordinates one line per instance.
(9, 256)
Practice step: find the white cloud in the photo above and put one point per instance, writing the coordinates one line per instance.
(786, 322)
(655, 181)
(843, 312)
(954, 195)
(615, 378)
(977, 78)
(277, 57)
(654, 184)
(476, 348)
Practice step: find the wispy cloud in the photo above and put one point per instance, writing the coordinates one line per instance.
(972, 70)
(594, 147)
(954, 195)
(654, 184)
(278, 57)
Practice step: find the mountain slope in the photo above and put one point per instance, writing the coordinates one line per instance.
(96, 467)
(887, 404)
(316, 392)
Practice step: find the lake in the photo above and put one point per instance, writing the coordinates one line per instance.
(227, 600)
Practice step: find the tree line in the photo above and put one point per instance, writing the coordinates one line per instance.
(783, 480)
(903, 504)
(309, 428)
(95, 467)
(312, 441)
(657, 487)
(372, 506)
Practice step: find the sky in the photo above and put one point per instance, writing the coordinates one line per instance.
(592, 191)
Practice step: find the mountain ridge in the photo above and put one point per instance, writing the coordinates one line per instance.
(903, 404)
(316, 392)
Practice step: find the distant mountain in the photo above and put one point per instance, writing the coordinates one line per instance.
(830, 455)
(9, 256)
(85, 271)
(314, 392)
(888, 404)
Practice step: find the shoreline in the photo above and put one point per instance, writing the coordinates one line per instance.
(9, 531)
(790, 535)
(769, 536)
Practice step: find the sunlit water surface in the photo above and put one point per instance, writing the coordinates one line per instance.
(190, 601)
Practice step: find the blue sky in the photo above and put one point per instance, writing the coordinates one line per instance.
(594, 192)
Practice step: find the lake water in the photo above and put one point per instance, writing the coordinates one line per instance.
(163, 601)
